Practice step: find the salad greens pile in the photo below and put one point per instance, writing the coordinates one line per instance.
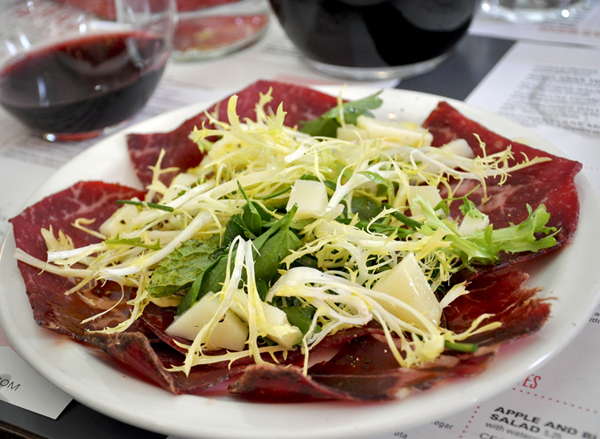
(282, 237)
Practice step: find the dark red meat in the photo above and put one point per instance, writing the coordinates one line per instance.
(300, 103)
(134, 351)
(551, 183)
(51, 308)
(504, 295)
(363, 370)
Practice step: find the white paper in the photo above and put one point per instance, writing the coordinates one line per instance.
(22, 386)
(583, 28)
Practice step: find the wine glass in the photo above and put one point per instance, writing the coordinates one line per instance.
(70, 69)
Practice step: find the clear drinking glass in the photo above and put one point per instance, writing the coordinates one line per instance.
(531, 11)
(69, 69)
(213, 28)
(375, 39)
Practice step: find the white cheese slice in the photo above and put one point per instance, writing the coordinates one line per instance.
(429, 193)
(471, 225)
(459, 147)
(351, 133)
(230, 333)
(311, 198)
(407, 282)
(402, 132)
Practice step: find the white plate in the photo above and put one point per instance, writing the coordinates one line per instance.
(570, 275)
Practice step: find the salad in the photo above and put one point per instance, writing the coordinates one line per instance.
(283, 238)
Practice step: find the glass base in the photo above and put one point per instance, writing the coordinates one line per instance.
(80, 137)
(378, 73)
(530, 11)
(70, 137)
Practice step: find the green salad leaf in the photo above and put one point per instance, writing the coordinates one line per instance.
(330, 121)
(180, 269)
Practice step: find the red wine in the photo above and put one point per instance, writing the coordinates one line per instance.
(83, 85)
(374, 33)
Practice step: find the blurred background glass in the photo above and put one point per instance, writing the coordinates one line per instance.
(69, 69)
(213, 28)
(375, 39)
(530, 11)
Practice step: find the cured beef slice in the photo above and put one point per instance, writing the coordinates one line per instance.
(51, 307)
(363, 370)
(550, 183)
(300, 103)
(150, 361)
(504, 295)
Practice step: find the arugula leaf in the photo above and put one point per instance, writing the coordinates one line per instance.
(322, 126)
(274, 245)
(235, 227)
(328, 123)
(252, 219)
(273, 251)
(367, 208)
(180, 269)
(383, 184)
(210, 279)
(407, 221)
(282, 223)
(134, 242)
(300, 316)
(306, 261)
(249, 223)
(146, 204)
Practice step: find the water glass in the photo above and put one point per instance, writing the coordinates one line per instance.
(210, 29)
